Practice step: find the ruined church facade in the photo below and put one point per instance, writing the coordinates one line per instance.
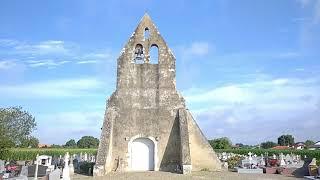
(147, 126)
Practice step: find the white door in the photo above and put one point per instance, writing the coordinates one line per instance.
(142, 155)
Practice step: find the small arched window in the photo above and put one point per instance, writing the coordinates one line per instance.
(154, 54)
(138, 54)
(146, 33)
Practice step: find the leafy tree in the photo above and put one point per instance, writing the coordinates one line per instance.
(29, 142)
(88, 142)
(15, 125)
(286, 140)
(221, 143)
(55, 146)
(268, 144)
(309, 143)
(71, 143)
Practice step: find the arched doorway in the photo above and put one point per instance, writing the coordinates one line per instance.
(142, 155)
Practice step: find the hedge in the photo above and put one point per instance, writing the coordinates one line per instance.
(308, 153)
(31, 153)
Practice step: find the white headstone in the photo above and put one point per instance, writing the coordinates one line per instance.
(66, 172)
(289, 159)
(262, 161)
(2, 167)
(250, 155)
(71, 167)
(85, 157)
(55, 175)
(224, 156)
(274, 156)
(282, 162)
(24, 171)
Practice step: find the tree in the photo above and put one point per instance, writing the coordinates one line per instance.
(55, 146)
(268, 144)
(88, 142)
(286, 140)
(29, 142)
(221, 143)
(71, 143)
(15, 125)
(309, 143)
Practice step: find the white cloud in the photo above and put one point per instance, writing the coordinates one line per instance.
(265, 108)
(304, 3)
(256, 55)
(316, 16)
(8, 42)
(198, 48)
(102, 55)
(194, 49)
(7, 64)
(47, 63)
(70, 125)
(60, 88)
(267, 90)
(44, 47)
(87, 62)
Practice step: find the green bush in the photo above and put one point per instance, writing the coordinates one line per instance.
(31, 153)
(234, 161)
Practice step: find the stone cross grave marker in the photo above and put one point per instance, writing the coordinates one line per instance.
(36, 169)
(282, 162)
(66, 170)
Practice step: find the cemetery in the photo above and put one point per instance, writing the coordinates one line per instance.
(283, 164)
(48, 167)
(81, 162)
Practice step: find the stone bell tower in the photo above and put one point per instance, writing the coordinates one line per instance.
(147, 125)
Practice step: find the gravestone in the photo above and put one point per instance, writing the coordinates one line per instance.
(274, 156)
(71, 167)
(24, 171)
(262, 160)
(76, 165)
(282, 162)
(288, 159)
(55, 175)
(42, 170)
(66, 171)
(224, 156)
(2, 167)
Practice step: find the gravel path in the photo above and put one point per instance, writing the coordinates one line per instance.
(195, 176)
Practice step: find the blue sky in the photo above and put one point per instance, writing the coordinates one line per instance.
(249, 70)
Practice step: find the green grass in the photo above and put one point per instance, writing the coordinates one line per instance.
(30, 154)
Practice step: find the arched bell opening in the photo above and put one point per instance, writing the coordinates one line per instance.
(154, 54)
(138, 54)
